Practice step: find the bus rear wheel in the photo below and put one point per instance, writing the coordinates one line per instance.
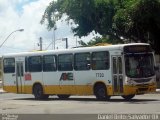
(63, 96)
(38, 92)
(128, 97)
(100, 92)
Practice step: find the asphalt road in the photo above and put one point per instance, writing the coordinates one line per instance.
(22, 107)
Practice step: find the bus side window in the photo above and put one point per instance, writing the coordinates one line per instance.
(100, 60)
(82, 61)
(35, 64)
(49, 63)
(65, 62)
(26, 64)
(9, 65)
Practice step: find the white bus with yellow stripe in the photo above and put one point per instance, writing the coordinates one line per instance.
(125, 70)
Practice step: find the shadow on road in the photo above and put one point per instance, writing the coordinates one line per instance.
(135, 101)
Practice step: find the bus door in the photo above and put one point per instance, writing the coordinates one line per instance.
(117, 75)
(19, 76)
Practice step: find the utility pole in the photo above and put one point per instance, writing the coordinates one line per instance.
(40, 43)
(65, 39)
(76, 41)
(54, 38)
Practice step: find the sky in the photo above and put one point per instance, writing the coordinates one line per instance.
(26, 14)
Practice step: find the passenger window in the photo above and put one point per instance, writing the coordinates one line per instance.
(35, 64)
(26, 64)
(82, 61)
(49, 63)
(120, 65)
(100, 60)
(9, 65)
(65, 62)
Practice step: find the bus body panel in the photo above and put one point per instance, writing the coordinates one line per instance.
(77, 82)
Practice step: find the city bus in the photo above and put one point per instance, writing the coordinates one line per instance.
(116, 70)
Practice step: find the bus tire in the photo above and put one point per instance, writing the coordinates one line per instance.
(128, 97)
(100, 92)
(38, 92)
(63, 96)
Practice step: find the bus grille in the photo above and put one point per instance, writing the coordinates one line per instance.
(142, 80)
(142, 89)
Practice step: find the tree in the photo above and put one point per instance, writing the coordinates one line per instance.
(136, 20)
(99, 41)
(88, 15)
(139, 20)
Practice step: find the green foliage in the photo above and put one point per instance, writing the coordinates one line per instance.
(97, 40)
(93, 42)
(136, 20)
(88, 15)
(139, 20)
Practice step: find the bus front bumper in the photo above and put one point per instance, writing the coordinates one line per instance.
(139, 89)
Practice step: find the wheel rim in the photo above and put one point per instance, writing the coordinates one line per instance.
(101, 93)
(38, 91)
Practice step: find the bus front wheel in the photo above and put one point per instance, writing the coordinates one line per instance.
(128, 97)
(38, 92)
(100, 92)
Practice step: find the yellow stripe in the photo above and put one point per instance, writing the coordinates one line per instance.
(128, 90)
(68, 89)
(23, 89)
(79, 89)
(11, 89)
(55, 89)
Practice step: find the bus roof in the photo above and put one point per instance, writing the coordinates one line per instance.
(73, 50)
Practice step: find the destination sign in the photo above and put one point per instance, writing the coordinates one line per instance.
(137, 48)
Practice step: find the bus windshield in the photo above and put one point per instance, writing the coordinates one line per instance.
(139, 65)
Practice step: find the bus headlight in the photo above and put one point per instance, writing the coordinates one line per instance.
(129, 82)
